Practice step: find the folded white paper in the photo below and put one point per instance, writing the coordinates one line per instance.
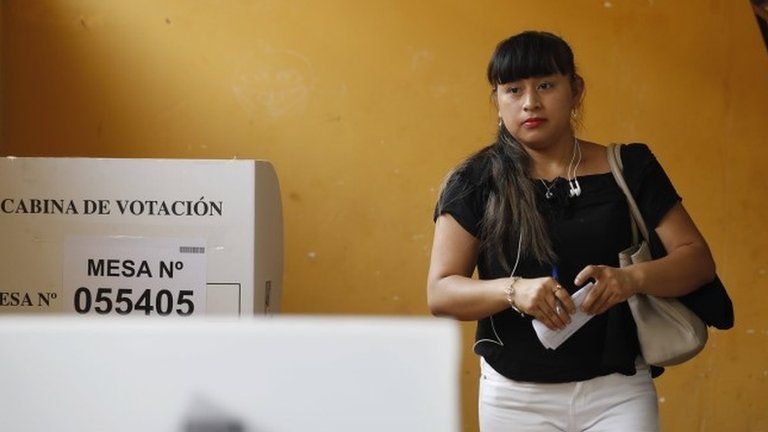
(554, 338)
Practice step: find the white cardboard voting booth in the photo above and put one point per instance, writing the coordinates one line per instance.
(139, 237)
(275, 374)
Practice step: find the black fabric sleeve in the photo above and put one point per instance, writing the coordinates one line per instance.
(462, 198)
(655, 196)
(649, 184)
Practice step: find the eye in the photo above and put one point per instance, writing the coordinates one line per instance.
(512, 90)
(546, 85)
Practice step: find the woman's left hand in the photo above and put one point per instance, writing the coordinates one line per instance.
(612, 286)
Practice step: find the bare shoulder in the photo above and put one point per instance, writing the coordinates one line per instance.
(594, 158)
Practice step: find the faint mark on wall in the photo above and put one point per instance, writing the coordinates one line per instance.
(90, 21)
(420, 58)
(273, 82)
(438, 90)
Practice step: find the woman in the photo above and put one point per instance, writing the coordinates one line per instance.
(539, 214)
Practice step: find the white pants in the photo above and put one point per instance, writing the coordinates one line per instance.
(613, 403)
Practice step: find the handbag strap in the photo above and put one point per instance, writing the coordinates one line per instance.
(614, 160)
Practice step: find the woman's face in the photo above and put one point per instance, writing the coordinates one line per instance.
(537, 111)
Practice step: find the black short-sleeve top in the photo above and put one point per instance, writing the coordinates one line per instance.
(588, 229)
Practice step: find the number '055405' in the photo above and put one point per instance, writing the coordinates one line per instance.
(121, 301)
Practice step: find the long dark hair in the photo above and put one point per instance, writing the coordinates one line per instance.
(510, 208)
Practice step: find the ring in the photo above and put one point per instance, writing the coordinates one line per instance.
(558, 310)
(557, 288)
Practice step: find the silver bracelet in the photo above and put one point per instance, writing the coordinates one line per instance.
(510, 291)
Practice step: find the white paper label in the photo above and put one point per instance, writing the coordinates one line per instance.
(134, 276)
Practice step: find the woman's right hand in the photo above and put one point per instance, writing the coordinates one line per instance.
(544, 299)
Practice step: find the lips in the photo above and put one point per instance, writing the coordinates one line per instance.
(534, 122)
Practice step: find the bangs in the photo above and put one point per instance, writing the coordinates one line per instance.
(530, 54)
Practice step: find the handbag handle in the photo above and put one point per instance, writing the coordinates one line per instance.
(614, 160)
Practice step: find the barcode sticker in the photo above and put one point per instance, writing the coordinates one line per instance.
(192, 249)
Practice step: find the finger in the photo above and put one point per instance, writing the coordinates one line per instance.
(602, 301)
(591, 297)
(602, 308)
(612, 301)
(565, 300)
(552, 324)
(589, 272)
(562, 313)
(556, 310)
(559, 315)
(600, 298)
(544, 317)
(601, 305)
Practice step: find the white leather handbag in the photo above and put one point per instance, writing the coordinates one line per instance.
(669, 332)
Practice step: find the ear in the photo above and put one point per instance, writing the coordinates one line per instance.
(578, 90)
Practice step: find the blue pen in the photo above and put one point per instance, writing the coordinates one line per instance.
(555, 274)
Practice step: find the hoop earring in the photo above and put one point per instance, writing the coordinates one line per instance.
(501, 122)
(574, 113)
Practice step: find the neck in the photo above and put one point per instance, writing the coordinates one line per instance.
(552, 161)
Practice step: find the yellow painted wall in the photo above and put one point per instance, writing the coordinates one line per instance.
(364, 105)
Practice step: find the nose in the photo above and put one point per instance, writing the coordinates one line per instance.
(531, 102)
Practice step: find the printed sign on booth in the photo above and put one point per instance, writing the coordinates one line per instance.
(134, 276)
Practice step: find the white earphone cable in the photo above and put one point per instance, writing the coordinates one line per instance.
(498, 341)
(573, 180)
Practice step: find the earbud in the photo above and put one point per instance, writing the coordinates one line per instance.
(575, 188)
